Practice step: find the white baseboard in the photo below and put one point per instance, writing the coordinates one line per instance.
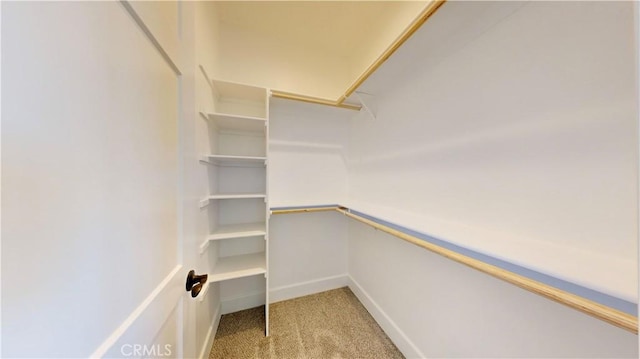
(394, 333)
(211, 334)
(232, 305)
(296, 290)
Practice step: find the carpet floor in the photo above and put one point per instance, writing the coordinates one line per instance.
(332, 324)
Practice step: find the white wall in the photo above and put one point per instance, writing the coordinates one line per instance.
(510, 128)
(207, 44)
(442, 309)
(307, 254)
(512, 138)
(307, 154)
(307, 166)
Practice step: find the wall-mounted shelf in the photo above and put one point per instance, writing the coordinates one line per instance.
(229, 122)
(237, 128)
(233, 267)
(238, 231)
(235, 231)
(205, 201)
(239, 161)
(237, 196)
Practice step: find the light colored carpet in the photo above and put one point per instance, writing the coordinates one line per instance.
(331, 324)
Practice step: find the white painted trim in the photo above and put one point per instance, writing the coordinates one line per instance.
(236, 304)
(305, 288)
(636, 7)
(397, 336)
(211, 334)
(1, 198)
(153, 303)
(204, 202)
(204, 245)
(206, 75)
(203, 292)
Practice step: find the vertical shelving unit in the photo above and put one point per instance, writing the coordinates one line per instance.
(237, 200)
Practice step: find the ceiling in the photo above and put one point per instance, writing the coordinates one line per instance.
(315, 49)
(334, 26)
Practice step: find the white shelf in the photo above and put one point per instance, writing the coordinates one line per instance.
(238, 231)
(238, 267)
(205, 201)
(232, 231)
(237, 196)
(226, 160)
(238, 121)
(229, 122)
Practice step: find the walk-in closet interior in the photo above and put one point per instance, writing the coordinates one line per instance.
(477, 191)
(467, 169)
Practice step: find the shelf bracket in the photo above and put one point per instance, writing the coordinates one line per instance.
(203, 114)
(205, 159)
(368, 102)
(204, 246)
(204, 202)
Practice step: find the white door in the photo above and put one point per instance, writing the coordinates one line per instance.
(95, 226)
